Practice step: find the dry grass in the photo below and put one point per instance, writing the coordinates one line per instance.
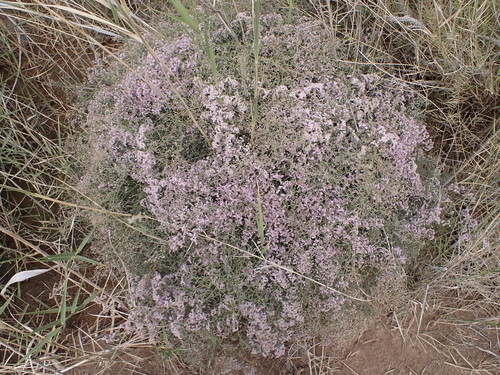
(448, 50)
(54, 323)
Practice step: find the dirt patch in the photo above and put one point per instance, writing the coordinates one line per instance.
(439, 345)
(382, 349)
(241, 363)
(135, 361)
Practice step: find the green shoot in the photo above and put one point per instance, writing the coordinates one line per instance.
(291, 9)
(260, 220)
(202, 38)
(256, 48)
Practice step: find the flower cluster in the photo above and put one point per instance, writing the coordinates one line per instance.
(267, 208)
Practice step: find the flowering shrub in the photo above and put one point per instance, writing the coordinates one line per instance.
(271, 213)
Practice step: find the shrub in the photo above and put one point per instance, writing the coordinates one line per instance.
(332, 182)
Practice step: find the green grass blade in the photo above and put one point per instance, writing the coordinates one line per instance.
(291, 8)
(260, 219)
(84, 242)
(66, 257)
(185, 16)
(45, 340)
(74, 306)
(211, 55)
(63, 308)
(256, 48)
(256, 26)
(6, 303)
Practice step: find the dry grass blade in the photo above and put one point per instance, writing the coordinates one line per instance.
(39, 46)
(78, 17)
